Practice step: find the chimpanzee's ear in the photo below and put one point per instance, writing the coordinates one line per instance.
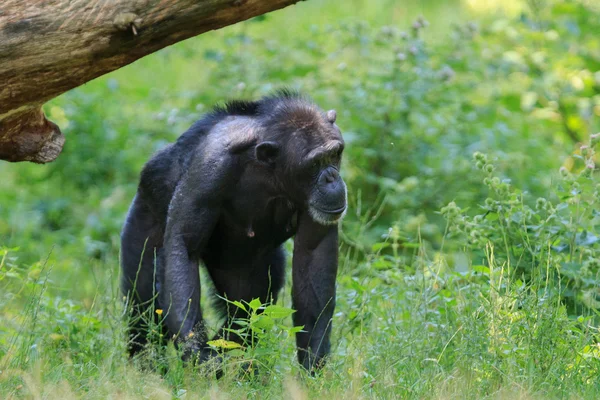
(267, 152)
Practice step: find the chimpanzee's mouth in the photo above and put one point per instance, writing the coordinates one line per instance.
(333, 212)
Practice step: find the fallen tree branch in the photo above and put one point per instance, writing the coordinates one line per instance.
(50, 46)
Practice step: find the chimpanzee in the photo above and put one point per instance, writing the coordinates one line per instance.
(228, 193)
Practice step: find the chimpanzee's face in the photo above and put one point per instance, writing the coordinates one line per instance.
(305, 157)
(323, 189)
(327, 198)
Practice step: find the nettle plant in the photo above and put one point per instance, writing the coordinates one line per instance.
(266, 336)
(267, 341)
(556, 237)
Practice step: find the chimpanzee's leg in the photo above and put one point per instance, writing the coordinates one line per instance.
(263, 281)
(141, 241)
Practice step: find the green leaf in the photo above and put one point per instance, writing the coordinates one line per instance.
(491, 216)
(238, 304)
(296, 329)
(255, 304)
(224, 344)
(236, 353)
(481, 269)
(382, 264)
(275, 311)
(262, 322)
(379, 246)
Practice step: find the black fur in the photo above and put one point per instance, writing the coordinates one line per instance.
(234, 187)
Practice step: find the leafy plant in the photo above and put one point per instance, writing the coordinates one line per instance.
(266, 337)
(556, 237)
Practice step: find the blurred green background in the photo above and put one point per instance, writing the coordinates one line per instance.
(418, 87)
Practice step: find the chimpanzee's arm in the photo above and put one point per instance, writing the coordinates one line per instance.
(189, 225)
(313, 291)
(193, 213)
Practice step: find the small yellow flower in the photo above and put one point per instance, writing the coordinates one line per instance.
(158, 311)
(191, 334)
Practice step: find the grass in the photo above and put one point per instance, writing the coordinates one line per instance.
(458, 278)
(422, 330)
(427, 334)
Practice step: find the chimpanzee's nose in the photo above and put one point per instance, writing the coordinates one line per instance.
(331, 176)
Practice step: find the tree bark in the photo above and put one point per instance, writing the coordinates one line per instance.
(50, 46)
